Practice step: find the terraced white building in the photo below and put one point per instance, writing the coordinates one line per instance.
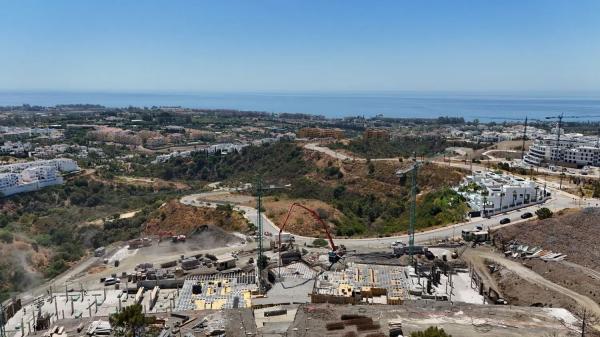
(573, 150)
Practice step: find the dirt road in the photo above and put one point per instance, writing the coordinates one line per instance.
(531, 276)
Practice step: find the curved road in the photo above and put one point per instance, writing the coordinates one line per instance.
(560, 200)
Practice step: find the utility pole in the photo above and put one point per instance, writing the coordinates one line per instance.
(558, 127)
(260, 257)
(524, 138)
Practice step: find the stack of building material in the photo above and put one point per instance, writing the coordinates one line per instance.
(99, 328)
(55, 331)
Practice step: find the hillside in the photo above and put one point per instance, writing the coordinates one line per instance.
(404, 146)
(363, 198)
(573, 232)
(178, 218)
(302, 222)
(44, 232)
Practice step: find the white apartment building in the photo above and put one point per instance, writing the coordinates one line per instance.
(62, 164)
(31, 179)
(39, 173)
(497, 193)
(32, 176)
(573, 149)
(8, 180)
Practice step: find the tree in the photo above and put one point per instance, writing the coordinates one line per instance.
(371, 168)
(432, 331)
(129, 322)
(543, 213)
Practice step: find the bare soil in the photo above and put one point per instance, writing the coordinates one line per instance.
(178, 218)
(301, 222)
(574, 232)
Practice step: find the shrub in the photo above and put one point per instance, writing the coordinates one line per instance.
(544, 213)
(432, 331)
(6, 237)
(319, 242)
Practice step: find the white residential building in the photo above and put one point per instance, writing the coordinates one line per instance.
(8, 180)
(32, 176)
(573, 149)
(14, 148)
(496, 193)
(39, 173)
(62, 164)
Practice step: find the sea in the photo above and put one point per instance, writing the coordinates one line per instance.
(482, 106)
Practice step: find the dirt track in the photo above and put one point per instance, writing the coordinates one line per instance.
(535, 278)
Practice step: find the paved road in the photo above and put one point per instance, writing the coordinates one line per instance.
(560, 200)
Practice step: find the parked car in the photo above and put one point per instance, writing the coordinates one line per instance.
(504, 221)
(526, 215)
(111, 280)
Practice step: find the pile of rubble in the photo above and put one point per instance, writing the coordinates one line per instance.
(517, 250)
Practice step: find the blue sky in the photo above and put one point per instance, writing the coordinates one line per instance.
(287, 45)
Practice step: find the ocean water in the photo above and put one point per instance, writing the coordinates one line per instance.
(484, 107)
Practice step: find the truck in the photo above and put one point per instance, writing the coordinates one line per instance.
(405, 250)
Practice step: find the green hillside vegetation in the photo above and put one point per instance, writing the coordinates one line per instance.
(404, 146)
(367, 211)
(367, 214)
(274, 162)
(60, 218)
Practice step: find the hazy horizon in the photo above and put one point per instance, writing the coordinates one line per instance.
(390, 104)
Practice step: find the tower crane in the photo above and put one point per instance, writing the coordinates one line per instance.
(413, 205)
(524, 138)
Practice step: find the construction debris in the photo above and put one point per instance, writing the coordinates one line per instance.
(517, 250)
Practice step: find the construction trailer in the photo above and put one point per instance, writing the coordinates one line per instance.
(224, 262)
(190, 263)
(475, 235)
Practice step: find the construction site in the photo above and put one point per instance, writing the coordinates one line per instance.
(272, 283)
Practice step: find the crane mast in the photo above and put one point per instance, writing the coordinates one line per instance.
(413, 212)
(524, 138)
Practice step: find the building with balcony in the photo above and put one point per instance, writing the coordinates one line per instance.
(34, 175)
(379, 134)
(489, 193)
(321, 133)
(572, 150)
